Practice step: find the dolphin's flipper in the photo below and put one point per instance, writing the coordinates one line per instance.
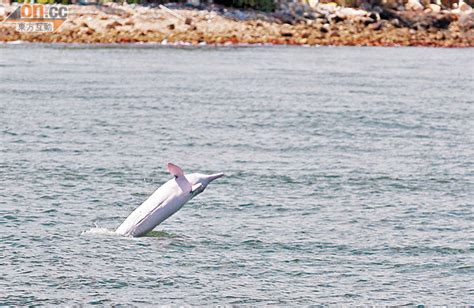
(182, 181)
(197, 189)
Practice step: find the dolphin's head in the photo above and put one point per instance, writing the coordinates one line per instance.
(203, 179)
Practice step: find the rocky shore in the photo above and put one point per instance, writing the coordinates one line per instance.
(325, 24)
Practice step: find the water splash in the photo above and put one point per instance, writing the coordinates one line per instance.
(111, 232)
(99, 231)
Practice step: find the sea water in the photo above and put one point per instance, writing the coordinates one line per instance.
(349, 174)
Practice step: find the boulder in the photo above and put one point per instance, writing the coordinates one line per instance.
(435, 8)
(414, 5)
(466, 21)
(313, 3)
(347, 12)
(113, 25)
(465, 8)
(442, 21)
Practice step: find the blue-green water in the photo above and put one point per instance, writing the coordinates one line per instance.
(349, 175)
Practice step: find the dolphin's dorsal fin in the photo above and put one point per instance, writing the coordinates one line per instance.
(182, 181)
(175, 170)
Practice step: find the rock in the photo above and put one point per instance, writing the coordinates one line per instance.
(368, 21)
(336, 18)
(313, 3)
(325, 28)
(129, 22)
(89, 31)
(324, 24)
(414, 5)
(347, 12)
(435, 8)
(193, 3)
(395, 22)
(236, 15)
(466, 21)
(465, 8)
(377, 26)
(113, 25)
(375, 16)
(284, 17)
(114, 11)
(442, 22)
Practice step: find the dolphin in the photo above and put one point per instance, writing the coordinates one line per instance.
(165, 201)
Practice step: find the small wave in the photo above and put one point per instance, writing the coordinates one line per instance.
(160, 234)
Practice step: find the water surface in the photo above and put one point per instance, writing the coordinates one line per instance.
(349, 175)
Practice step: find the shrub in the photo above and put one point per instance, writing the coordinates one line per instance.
(263, 5)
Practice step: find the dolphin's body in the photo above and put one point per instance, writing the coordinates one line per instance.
(165, 201)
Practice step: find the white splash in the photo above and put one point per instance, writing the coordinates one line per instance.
(99, 231)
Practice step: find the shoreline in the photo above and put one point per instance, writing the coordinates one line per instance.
(187, 45)
(216, 26)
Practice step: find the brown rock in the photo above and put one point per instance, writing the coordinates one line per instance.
(435, 8)
(113, 25)
(466, 21)
(465, 8)
(129, 22)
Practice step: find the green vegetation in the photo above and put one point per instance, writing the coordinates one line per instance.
(263, 5)
(45, 1)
